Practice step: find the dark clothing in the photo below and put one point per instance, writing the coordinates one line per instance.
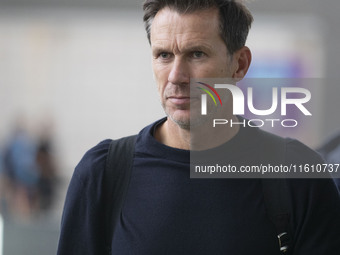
(331, 153)
(166, 212)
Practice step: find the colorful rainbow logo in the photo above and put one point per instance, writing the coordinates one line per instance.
(209, 93)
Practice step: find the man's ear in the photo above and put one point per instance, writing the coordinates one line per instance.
(242, 60)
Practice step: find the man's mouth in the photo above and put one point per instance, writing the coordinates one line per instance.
(179, 100)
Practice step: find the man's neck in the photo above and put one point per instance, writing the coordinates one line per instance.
(172, 135)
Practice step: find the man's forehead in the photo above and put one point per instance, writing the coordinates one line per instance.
(198, 23)
(168, 14)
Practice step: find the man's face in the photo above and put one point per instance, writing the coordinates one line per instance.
(186, 46)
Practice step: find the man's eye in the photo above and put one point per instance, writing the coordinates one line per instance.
(164, 55)
(197, 54)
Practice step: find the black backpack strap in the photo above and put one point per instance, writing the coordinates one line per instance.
(116, 180)
(275, 191)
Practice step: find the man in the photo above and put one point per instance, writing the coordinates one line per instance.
(166, 212)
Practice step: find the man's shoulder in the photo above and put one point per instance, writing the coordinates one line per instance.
(92, 165)
(295, 150)
(298, 152)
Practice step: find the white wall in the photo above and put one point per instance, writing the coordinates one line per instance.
(88, 71)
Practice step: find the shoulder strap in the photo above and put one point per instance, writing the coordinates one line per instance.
(275, 191)
(116, 180)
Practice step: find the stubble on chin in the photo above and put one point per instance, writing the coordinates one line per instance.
(182, 123)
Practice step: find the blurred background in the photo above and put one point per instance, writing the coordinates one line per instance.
(75, 72)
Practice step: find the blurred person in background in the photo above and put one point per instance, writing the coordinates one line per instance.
(29, 172)
(47, 171)
(22, 173)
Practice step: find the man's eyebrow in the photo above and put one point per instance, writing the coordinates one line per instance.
(189, 48)
(157, 49)
(200, 47)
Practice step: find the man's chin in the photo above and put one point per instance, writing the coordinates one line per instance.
(183, 123)
(188, 123)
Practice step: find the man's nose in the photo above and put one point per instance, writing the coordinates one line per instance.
(179, 73)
